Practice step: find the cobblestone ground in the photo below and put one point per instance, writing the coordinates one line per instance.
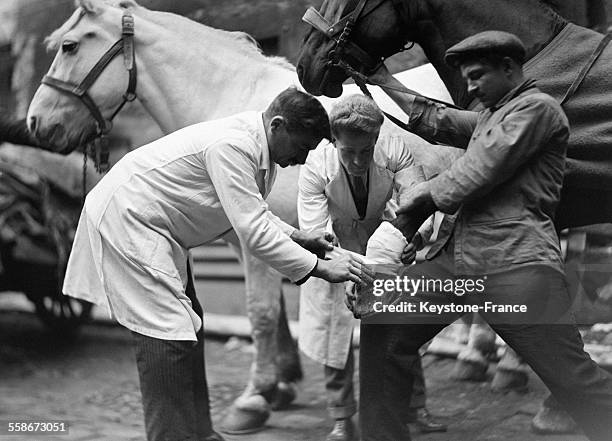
(92, 383)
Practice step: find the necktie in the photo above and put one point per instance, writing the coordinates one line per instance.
(360, 195)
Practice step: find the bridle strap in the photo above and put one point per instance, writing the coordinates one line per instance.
(125, 44)
(341, 30)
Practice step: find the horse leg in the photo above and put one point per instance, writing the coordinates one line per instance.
(287, 362)
(251, 409)
(472, 362)
(511, 372)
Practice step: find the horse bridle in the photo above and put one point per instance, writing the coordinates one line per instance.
(345, 49)
(126, 45)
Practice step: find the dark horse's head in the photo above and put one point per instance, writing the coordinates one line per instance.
(355, 33)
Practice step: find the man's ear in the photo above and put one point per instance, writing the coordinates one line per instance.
(277, 122)
(509, 65)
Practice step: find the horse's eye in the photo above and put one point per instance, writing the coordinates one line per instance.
(69, 46)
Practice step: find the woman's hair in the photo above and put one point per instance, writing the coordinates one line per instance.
(356, 113)
(302, 112)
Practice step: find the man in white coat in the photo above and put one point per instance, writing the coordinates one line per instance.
(349, 188)
(200, 183)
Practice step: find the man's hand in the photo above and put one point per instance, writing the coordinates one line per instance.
(344, 268)
(316, 243)
(416, 207)
(418, 199)
(409, 253)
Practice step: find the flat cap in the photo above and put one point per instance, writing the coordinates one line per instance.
(487, 42)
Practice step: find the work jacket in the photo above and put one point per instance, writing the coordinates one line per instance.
(504, 190)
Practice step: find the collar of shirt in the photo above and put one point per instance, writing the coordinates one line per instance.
(525, 85)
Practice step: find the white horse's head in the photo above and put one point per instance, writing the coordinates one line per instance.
(60, 118)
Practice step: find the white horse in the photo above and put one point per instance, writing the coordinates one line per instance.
(188, 73)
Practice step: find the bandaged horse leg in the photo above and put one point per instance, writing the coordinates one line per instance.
(251, 409)
(472, 362)
(263, 300)
(511, 373)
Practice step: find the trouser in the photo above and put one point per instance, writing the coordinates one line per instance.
(554, 351)
(340, 394)
(339, 389)
(173, 385)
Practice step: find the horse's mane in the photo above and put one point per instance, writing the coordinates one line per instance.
(245, 42)
(250, 44)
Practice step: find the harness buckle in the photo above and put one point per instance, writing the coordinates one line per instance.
(127, 23)
(130, 96)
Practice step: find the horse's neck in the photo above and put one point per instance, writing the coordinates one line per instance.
(196, 74)
(442, 23)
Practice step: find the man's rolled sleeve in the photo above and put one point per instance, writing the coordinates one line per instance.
(438, 123)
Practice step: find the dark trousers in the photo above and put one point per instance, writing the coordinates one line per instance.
(554, 351)
(340, 393)
(339, 389)
(173, 385)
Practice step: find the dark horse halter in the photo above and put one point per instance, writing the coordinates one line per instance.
(340, 32)
(126, 45)
(345, 49)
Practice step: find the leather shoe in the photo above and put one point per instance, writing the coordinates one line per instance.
(344, 430)
(424, 422)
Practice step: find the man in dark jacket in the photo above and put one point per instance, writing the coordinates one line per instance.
(501, 195)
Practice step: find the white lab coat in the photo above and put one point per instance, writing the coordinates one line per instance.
(325, 203)
(181, 191)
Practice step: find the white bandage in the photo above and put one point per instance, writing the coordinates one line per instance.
(386, 245)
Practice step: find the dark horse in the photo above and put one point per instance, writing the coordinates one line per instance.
(556, 50)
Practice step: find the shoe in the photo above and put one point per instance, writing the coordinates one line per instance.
(214, 437)
(344, 430)
(285, 395)
(552, 421)
(425, 423)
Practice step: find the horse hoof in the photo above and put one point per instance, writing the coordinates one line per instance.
(552, 421)
(506, 380)
(285, 395)
(246, 415)
(468, 371)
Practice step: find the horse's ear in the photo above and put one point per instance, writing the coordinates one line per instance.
(128, 4)
(90, 6)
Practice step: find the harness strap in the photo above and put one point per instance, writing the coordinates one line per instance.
(586, 68)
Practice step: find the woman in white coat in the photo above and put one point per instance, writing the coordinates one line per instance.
(349, 187)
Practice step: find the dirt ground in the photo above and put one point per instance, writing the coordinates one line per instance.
(92, 383)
